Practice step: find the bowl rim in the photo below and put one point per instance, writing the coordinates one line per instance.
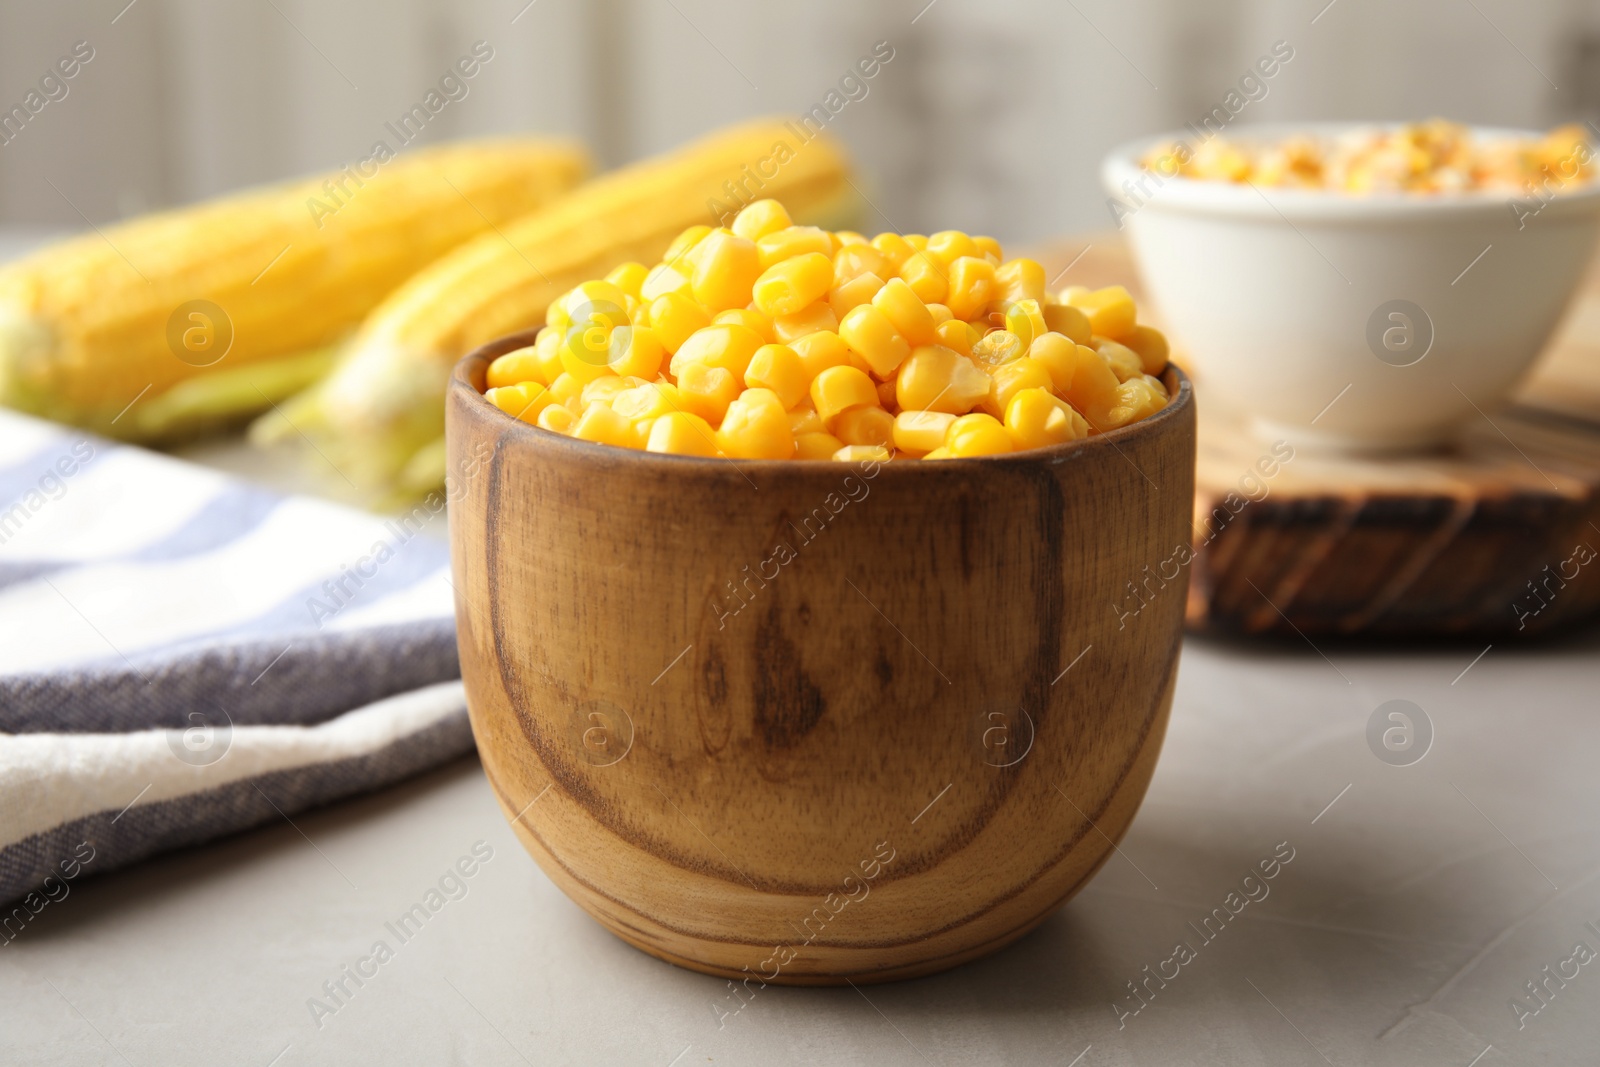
(470, 370)
(1198, 196)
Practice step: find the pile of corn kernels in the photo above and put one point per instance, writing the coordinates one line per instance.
(1427, 157)
(766, 340)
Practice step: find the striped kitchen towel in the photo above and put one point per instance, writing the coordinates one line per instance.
(184, 655)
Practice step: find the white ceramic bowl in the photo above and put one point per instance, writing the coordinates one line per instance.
(1284, 298)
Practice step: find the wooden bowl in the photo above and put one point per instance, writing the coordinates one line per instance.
(805, 722)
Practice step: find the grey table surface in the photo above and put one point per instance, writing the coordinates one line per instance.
(1420, 903)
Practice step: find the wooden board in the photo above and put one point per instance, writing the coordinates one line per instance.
(1496, 537)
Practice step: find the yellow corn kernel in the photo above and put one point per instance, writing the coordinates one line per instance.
(629, 277)
(557, 418)
(599, 303)
(956, 334)
(600, 424)
(868, 333)
(756, 427)
(547, 349)
(674, 317)
(1123, 361)
(635, 352)
(747, 317)
(916, 240)
(1036, 418)
(778, 368)
(972, 286)
(665, 278)
(989, 248)
(521, 365)
(728, 345)
(791, 285)
(939, 453)
(865, 425)
(682, 433)
(1135, 400)
(886, 394)
(1069, 322)
(648, 400)
(838, 388)
(1012, 378)
(851, 294)
(523, 400)
(567, 388)
(936, 378)
(894, 248)
(685, 241)
(998, 347)
(809, 319)
(909, 316)
(947, 246)
(804, 419)
(820, 350)
(816, 445)
(926, 276)
(1158, 385)
(638, 312)
(977, 435)
(1151, 344)
(1025, 319)
(604, 390)
(1057, 355)
(793, 241)
(863, 454)
(1093, 390)
(726, 267)
(760, 218)
(939, 313)
(1111, 311)
(921, 431)
(854, 260)
(707, 391)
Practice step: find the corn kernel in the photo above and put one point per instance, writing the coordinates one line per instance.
(1110, 310)
(1135, 400)
(599, 303)
(600, 424)
(865, 425)
(685, 241)
(868, 333)
(635, 352)
(894, 248)
(977, 435)
(648, 401)
(989, 248)
(760, 218)
(521, 365)
(604, 390)
(778, 368)
(707, 391)
(629, 277)
(886, 394)
(947, 246)
(955, 334)
(1123, 361)
(727, 345)
(926, 276)
(1069, 322)
(863, 454)
(851, 294)
(567, 388)
(1021, 279)
(1036, 418)
(936, 378)
(1093, 390)
(917, 241)
(523, 400)
(939, 313)
(747, 317)
(921, 431)
(854, 260)
(816, 445)
(909, 316)
(838, 388)
(547, 349)
(557, 419)
(819, 351)
(939, 453)
(804, 419)
(791, 285)
(972, 286)
(756, 427)
(1011, 378)
(1025, 319)
(809, 319)
(793, 241)
(726, 267)
(674, 317)
(682, 433)
(665, 278)
(997, 347)
(1057, 355)
(1151, 344)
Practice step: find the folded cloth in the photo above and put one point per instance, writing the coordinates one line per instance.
(184, 655)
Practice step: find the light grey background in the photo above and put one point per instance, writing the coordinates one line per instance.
(992, 116)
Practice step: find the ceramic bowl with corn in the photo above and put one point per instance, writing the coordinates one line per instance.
(1361, 288)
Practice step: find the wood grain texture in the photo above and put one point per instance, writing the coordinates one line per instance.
(886, 753)
(1483, 539)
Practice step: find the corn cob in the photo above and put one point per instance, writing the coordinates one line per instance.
(90, 324)
(382, 405)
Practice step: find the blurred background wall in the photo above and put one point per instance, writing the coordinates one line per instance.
(992, 115)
